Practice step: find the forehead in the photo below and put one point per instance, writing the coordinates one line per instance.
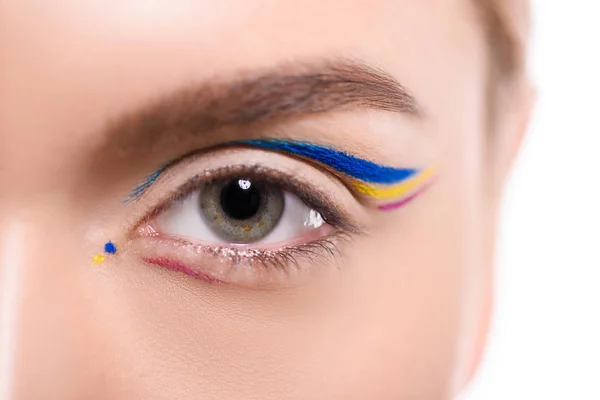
(84, 61)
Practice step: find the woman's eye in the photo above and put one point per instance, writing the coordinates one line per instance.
(249, 226)
(239, 211)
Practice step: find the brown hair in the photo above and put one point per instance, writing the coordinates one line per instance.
(506, 24)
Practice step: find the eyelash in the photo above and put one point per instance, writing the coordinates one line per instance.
(286, 260)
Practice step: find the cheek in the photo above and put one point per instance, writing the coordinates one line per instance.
(391, 323)
(416, 281)
(409, 288)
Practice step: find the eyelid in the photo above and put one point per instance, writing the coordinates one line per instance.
(164, 173)
(347, 167)
(272, 269)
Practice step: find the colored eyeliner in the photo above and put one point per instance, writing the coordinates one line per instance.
(397, 185)
(345, 163)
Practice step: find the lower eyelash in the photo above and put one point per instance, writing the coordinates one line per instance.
(251, 267)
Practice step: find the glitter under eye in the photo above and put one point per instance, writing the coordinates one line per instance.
(247, 267)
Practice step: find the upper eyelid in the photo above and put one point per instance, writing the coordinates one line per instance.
(345, 165)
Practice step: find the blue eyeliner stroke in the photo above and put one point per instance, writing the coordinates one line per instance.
(141, 188)
(345, 163)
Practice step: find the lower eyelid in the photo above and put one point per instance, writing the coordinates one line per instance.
(243, 267)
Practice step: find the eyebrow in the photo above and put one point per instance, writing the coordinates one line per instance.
(261, 97)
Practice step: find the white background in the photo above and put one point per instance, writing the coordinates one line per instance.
(545, 342)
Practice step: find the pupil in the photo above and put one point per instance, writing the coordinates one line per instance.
(240, 199)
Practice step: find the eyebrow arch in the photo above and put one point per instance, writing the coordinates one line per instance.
(261, 97)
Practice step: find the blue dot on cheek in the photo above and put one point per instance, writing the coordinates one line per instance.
(110, 248)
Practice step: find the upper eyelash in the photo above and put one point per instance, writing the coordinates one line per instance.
(330, 212)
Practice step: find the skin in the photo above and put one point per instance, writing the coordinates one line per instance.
(408, 320)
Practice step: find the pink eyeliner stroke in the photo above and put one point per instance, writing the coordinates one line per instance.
(405, 201)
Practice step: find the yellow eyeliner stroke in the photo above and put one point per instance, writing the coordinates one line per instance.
(398, 190)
